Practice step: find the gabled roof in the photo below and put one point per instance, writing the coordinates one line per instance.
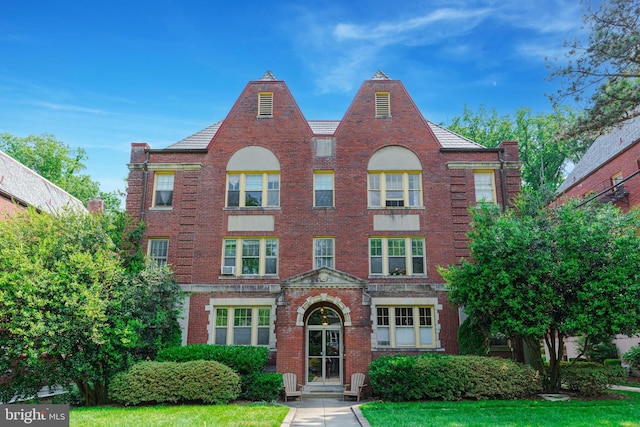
(23, 185)
(603, 149)
(200, 140)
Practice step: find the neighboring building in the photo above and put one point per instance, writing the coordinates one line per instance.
(318, 239)
(609, 172)
(21, 187)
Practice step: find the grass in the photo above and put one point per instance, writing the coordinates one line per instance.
(180, 416)
(500, 413)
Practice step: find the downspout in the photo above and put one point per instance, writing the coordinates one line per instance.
(145, 176)
(503, 183)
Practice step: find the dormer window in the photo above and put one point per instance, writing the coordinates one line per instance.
(265, 104)
(383, 104)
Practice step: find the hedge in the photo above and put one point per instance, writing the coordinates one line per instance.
(205, 381)
(447, 377)
(241, 358)
(589, 378)
(249, 362)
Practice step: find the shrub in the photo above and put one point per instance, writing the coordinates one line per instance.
(205, 381)
(247, 361)
(633, 357)
(403, 378)
(262, 386)
(243, 359)
(588, 378)
(601, 351)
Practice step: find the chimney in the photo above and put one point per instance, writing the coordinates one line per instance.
(95, 205)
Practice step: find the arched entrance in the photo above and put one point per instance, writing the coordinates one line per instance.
(324, 347)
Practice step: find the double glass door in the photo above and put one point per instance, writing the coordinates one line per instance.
(324, 348)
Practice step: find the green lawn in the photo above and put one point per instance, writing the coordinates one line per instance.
(501, 413)
(180, 416)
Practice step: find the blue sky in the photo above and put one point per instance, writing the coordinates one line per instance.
(102, 74)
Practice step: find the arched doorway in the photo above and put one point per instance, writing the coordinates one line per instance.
(324, 347)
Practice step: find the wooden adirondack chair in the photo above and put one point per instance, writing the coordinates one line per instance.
(355, 388)
(289, 381)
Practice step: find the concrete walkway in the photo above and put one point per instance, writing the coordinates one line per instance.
(324, 412)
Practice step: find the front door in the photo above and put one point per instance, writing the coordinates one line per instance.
(324, 347)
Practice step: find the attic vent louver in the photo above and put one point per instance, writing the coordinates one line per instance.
(268, 76)
(383, 104)
(265, 104)
(380, 76)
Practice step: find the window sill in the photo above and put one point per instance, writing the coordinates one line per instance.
(395, 208)
(398, 276)
(324, 207)
(161, 208)
(407, 348)
(249, 277)
(251, 208)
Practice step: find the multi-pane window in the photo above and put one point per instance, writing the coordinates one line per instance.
(323, 189)
(323, 249)
(158, 250)
(253, 189)
(402, 326)
(250, 256)
(395, 189)
(265, 104)
(163, 194)
(485, 186)
(383, 104)
(396, 256)
(242, 325)
(617, 178)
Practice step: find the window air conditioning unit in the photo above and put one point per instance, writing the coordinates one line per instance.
(228, 269)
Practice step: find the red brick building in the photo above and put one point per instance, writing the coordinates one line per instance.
(318, 239)
(609, 170)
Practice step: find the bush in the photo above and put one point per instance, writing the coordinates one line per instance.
(633, 357)
(247, 361)
(261, 387)
(601, 351)
(588, 378)
(404, 378)
(241, 358)
(205, 381)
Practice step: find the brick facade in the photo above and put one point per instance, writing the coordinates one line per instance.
(198, 220)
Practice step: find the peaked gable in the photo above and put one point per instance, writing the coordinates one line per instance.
(324, 278)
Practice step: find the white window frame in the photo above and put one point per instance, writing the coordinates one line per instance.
(228, 325)
(233, 254)
(412, 246)
(153, 250)
(269, 186)
(378, 183)
(321, 254)
(321, 184)
(163, 181)
(417, 323)
(485, 186)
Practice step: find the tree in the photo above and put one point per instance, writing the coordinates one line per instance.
(543, 158)
(544, 273)
(58, 163)
(71, 310)
(603, 71)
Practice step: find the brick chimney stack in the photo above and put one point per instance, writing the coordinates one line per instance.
(95, 205)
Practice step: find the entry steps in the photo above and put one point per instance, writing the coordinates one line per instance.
(324, 391)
